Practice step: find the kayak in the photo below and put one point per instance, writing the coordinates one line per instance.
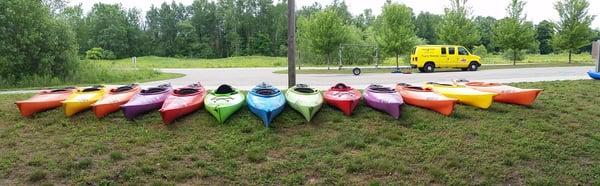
(147, 100)
(266, 102)
(113, 100)
(83, 99)
(426, 98)
(343, 97)
(182, 101)
(44, 100)
(594, 75)
(507, 94)
(463, 94)
(384, 99)
(223, 102)
(305, 100)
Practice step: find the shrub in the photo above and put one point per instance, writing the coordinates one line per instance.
(107, 54)
(94, 53)
(480, 50)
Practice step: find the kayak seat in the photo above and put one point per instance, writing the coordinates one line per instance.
(62, 89)
(341, 86)
(381, 89)
(404, 84)
(266, 92)
(92, 89)
(153, 90)
(224, 89)
(186, 91)
(122, 89)
(304, 90)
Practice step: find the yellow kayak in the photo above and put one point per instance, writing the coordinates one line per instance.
(83, 99)
(463, 94)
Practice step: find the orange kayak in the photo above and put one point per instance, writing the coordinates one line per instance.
(426, 98)
(507, 94)
(113, 100)
(44, 100)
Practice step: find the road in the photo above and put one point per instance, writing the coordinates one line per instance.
(246, 78)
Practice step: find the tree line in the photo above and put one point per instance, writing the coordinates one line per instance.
(47, 38)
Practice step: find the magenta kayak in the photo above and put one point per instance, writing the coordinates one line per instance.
(384, 99)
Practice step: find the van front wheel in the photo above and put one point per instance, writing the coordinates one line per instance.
(429, 67)
(473, 66)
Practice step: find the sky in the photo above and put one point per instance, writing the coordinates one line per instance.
(536, 10)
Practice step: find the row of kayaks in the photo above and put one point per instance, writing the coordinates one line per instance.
(267, 102)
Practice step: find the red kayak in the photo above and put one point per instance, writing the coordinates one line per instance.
(182, 102)
(44, 100)
(343, 97)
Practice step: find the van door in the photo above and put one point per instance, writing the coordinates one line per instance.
(452, 57)
(442, 61)
(463, 53)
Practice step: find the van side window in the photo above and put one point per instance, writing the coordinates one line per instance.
(451, 50)
(443, 50)
(462, 51)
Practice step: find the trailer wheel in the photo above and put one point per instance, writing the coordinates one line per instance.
(356, 71)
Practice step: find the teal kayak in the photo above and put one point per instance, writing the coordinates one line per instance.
(223, 102)
(305, 100)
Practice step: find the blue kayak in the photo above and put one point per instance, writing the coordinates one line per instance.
(266, 102)
(594, 75)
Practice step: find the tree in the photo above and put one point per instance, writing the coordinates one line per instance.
(75, 17)
(396, 32)
(573, 28)
(456, 27)
(326, 31)
(425, 26)
(485, 26)
(108, 27)
(513, 32)
(544, 33)
(34, 43)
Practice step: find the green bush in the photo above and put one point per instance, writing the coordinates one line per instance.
(480, 51)
(107, 54)
(94, 53)
(509, 55)
(33, 42)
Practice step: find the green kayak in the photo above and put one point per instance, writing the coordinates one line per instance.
(305, 100)
(223, 102)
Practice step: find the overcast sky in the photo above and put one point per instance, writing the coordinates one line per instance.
(537, 10)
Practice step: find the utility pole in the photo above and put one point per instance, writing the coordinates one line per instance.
(291, 43)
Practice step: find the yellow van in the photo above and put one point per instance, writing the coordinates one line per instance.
(428, 57)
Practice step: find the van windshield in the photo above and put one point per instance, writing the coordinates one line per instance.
(462, 51)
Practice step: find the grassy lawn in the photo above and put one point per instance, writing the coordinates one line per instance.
(555, 142)
(348, 70)
(168, 62)
(264, 61)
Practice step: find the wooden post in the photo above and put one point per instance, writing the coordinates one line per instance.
(291, 43)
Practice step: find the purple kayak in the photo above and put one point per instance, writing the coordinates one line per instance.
(147, 100)
(384, 99)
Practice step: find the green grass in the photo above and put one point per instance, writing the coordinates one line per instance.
(91, 74)
(554, 142)
(348, 70)
(168, 62)
(263, 61)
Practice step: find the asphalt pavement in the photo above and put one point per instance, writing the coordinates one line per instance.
(246, 78)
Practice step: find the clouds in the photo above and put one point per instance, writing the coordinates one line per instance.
(536, 10)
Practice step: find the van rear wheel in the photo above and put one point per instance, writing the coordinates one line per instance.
(473, 66)
(429, 67)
